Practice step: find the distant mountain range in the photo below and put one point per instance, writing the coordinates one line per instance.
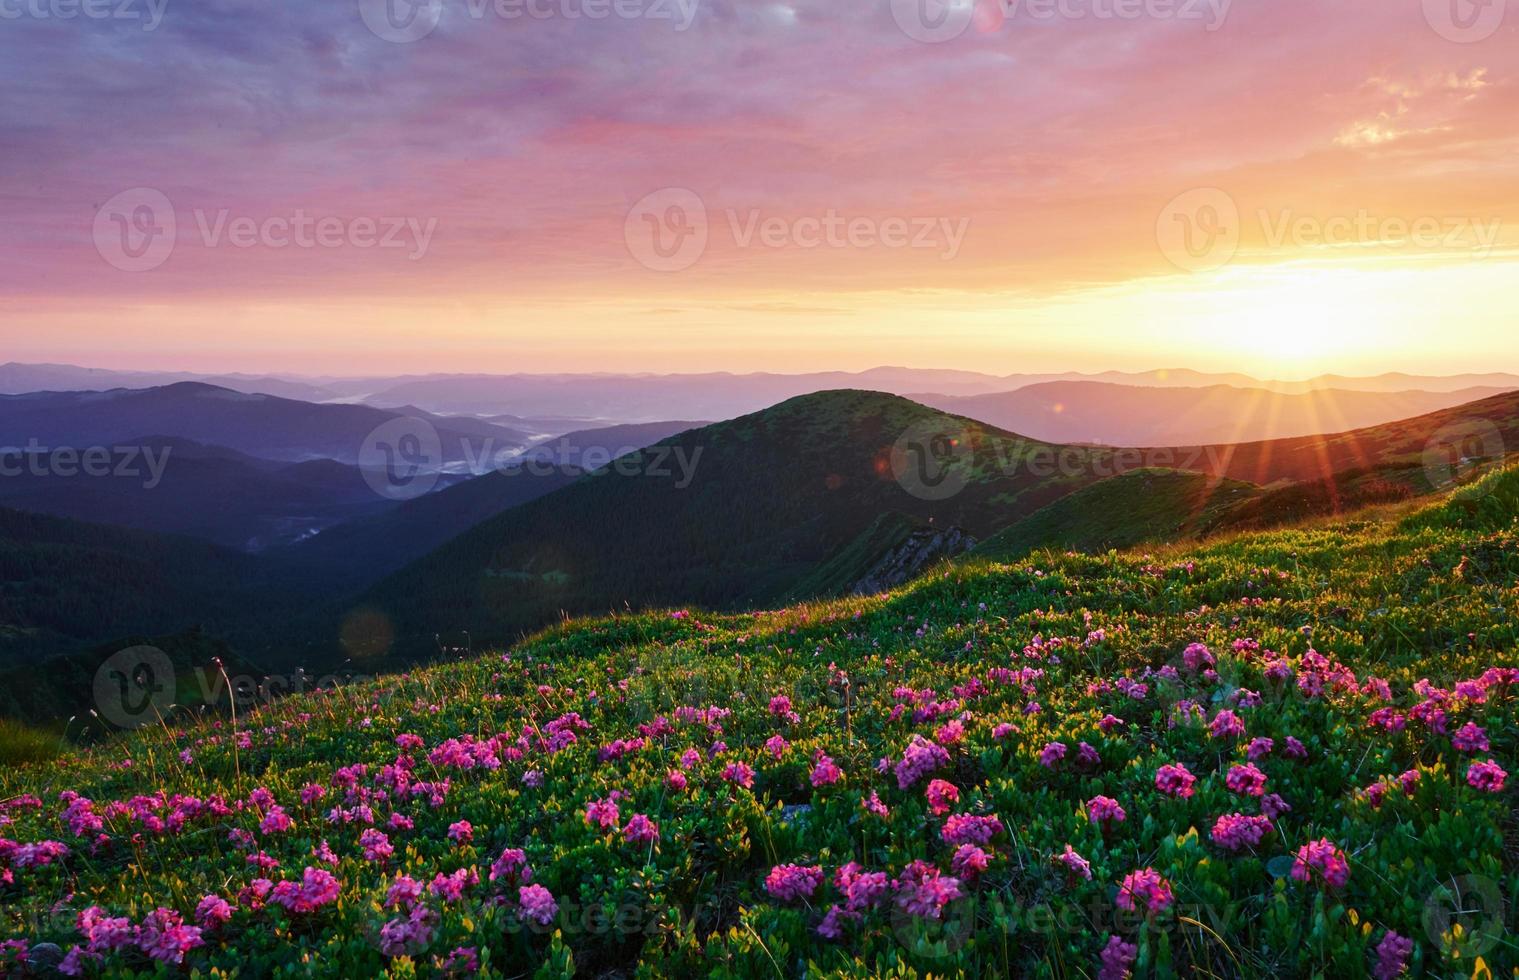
(258, 425)
(1126, 415)
(177, 486)
(551, 403)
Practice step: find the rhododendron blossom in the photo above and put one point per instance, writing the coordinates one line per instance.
(1145, 889)
(791, 882)
(1320, 859)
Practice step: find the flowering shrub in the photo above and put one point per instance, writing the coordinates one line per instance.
(1293, 738)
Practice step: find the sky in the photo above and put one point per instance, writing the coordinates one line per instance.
(1282, 188)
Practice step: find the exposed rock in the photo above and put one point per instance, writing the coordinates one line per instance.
(904, 562)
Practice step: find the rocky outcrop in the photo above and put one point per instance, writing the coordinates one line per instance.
(906, 561)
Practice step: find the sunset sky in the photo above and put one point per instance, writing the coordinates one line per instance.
(1348, 173)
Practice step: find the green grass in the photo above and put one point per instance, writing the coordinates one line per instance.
(22, 746)
(1122, 512)
(1427, 593)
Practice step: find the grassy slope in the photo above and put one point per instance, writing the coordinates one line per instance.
(66, 584)
(1122, 511)
(814, 474)
(1428, 595)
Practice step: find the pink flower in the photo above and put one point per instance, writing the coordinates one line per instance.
(1175, 780)
(1145, 887)
(408, 936)
(1236, 831)
(969, 861)
(1487, 776)
(676, 780)
(861, 889)
(739, 774)
(511, 867)
(451, 888)
(1471, 738)
(1002, 731)
(1051, 755)
(403, 893)
(825, 772)
(1117, 958)
(461, 832)
(1392, 956)
(1197, 657)
(537, 904)
(1109, 723)
(165, 938)
(780, 707)
(872, 804)
(276, 821)
(1105, 810)
(963, 828)
(213, 911)
(942, 797)
(776, 746)
(1259, 748)
(1246, 779)
(1409, 781)
(1226, 724)
(640, 830)
(789, 882)
(317, 888)
(923, 891)
(1323, 857)
(920, 758)
(602, 813)
(376, 845)
(1074, 863)
(1273, 806)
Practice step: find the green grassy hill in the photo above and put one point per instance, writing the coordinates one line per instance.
(771, 501)
(638, 802)
(66, 584)
(1123, 511)
(802, 499)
